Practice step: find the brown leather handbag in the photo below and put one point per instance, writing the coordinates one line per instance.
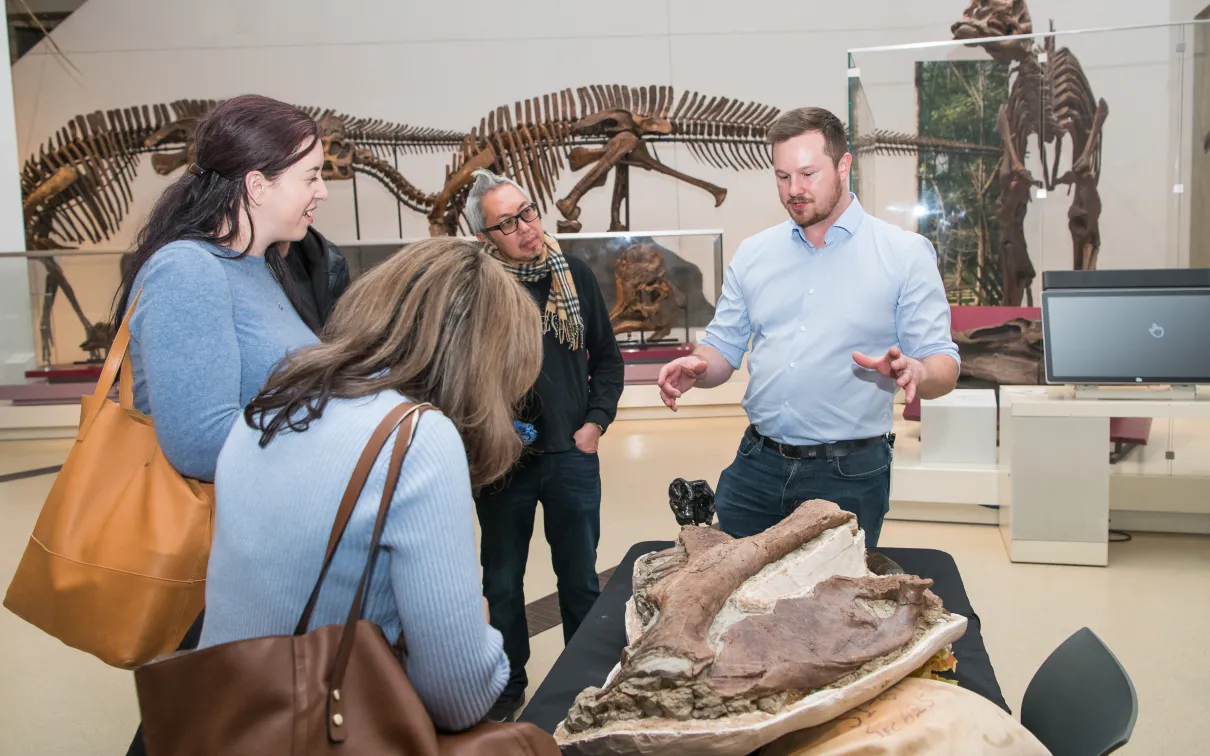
(340, 689)
(116, 564)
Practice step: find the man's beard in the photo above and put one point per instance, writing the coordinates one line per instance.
(815, 211)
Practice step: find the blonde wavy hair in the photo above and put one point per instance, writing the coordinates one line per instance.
(439, 322)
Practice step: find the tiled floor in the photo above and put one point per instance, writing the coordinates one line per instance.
(1151, 605)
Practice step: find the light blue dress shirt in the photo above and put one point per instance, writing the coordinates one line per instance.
(803, 311)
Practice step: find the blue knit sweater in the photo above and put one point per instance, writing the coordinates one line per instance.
(275, 512)
(205, 335)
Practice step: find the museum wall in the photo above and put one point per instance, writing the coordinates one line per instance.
(446, 65)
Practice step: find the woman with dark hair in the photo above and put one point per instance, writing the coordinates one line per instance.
(215, 310)
(213, 318)
(441, 323)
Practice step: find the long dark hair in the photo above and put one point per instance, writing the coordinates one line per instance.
(240, 135)
(439, 322)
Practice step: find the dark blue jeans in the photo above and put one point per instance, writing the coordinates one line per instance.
(761, 487)
(569, 486)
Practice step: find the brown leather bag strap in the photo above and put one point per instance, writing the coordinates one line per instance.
(118, 357)
(335, 708)
(352, 493)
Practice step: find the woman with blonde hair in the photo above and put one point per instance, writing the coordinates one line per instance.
(440, 322)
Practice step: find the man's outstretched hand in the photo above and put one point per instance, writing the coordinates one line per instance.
(908, 372)
(679, 376)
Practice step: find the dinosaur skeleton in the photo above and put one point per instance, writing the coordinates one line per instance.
(618, 128)
(77, 187)
(1050, 98)
(604, 128)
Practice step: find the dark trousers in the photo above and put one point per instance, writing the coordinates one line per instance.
(192, 637)
(569, 486)
(762, 487)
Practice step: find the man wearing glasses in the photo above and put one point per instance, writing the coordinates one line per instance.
(570, 406)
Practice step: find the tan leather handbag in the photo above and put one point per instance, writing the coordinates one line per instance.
(340, 689)
(116, 565)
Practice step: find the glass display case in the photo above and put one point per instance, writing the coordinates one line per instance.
(1040, 151)
(71, 296)
(660, 288)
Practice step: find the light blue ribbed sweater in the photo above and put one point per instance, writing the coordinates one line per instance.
(274, 515)
(204, 337)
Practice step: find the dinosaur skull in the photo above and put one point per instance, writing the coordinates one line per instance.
(338, 150)
(996, 18)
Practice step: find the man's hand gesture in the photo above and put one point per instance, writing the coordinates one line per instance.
(908, 372)
(679, 376)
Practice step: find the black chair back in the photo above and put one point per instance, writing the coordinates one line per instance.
(1081, 701)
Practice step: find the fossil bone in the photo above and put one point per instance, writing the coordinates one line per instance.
(734, 642)
(642, 290)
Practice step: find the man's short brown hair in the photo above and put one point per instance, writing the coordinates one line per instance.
(794, 123)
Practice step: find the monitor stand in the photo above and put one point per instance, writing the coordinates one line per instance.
(1175, 392)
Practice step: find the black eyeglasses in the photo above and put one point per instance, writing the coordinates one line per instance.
(529, 214)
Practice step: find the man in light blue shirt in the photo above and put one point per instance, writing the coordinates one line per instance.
(839, 310)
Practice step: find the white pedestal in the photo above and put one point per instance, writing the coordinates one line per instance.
(1055, 506)
(959, 428)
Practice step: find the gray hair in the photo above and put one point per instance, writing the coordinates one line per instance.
(485, 182)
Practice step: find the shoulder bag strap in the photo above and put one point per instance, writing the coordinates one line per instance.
(118, 356)
(352, 493)
(340, 664)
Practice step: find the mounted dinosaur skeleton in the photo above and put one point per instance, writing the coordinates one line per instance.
(604, 128)
(618, 128)
(77, 188)
(1050, 98)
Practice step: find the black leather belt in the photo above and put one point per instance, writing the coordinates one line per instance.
(820, 451)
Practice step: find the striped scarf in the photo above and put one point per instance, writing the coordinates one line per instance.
(561, 315)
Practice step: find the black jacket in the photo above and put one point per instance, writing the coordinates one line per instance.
(578, 387)
(319, 275)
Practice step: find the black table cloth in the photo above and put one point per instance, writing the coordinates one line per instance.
(597, 645)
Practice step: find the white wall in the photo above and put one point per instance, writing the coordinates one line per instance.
(447, 65)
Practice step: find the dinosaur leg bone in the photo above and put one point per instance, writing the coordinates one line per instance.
(618, 148)
(582, 157)
(1015, 182)
(1084, 215)
(621, 193)
(644, 159)
(52, 187)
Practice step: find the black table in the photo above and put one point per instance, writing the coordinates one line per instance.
(597, 645)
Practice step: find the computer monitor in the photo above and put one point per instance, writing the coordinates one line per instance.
(1126, 327)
